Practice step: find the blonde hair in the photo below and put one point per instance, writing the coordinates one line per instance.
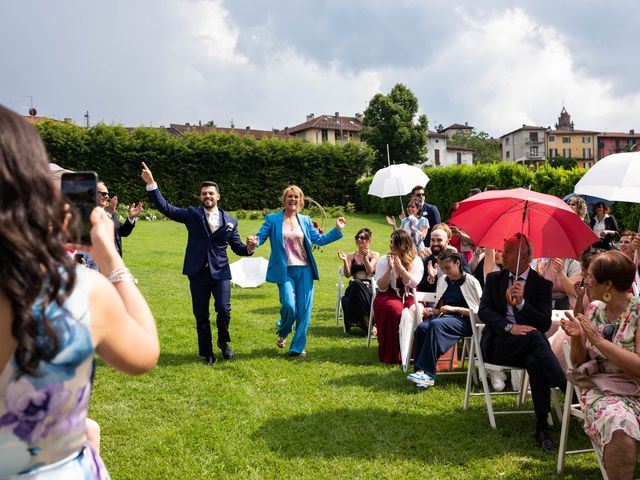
(295, 189)
(404, 243)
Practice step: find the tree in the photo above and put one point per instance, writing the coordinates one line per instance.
(563, 162)
(389, 120)
(485, 148)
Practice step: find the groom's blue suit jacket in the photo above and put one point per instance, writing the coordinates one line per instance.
(204, 247)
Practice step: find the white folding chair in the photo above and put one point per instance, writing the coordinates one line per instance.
(575, 410)
(339, 287)
(425, 297)
(476, 361)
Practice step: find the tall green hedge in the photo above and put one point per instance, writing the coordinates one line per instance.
(451, 184)
(251, 173)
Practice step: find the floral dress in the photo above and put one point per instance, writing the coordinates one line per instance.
(608, 413)
(42, 417)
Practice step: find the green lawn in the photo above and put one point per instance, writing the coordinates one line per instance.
(337, 414)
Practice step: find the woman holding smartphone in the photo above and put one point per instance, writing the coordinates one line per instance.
(54, 314)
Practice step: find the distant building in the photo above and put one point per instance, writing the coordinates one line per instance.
(526, 145)
(179, 130)
(35, 119)
(452, 129)
(440, 154)
(334, 129)
(616, 142)
(566, 141)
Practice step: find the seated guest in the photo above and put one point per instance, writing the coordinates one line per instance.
(414, 224)
(431, 272)
(564, 273)
(514, 334)
(604, 349)
(604, 226)
(361, 265)
(397, 273)
(457, 294)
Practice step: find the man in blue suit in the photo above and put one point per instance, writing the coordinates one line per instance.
(206, 264)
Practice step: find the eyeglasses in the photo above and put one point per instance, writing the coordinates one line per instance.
(104, 194)
(362, 237)
(607, 331)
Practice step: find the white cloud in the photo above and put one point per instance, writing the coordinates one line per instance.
(505, 70)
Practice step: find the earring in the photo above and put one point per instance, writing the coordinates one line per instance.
(606, 296)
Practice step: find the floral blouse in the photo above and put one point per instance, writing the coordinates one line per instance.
(42, 417)
(624, 333)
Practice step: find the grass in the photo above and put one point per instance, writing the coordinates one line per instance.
(337, 414)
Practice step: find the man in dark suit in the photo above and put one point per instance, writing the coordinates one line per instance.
(429, 211)
(515, 333)
(206, 264)
(121, 229)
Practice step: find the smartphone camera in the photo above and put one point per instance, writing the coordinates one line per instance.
(81, 191)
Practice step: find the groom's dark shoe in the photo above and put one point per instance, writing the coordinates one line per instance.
(227, 353)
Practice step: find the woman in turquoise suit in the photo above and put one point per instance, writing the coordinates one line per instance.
(291, 264)
(54, 315)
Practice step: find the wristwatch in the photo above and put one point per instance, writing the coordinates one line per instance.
(508, 327)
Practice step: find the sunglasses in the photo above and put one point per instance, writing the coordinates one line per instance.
(607, 332)
(418, 194)
(104, 194)
(571, 204)
(362, 237)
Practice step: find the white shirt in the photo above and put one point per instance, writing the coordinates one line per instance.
(510, 315)
(213, 217)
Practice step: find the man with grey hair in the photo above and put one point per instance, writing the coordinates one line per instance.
(516, 309)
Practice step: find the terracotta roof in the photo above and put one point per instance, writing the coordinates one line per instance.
(432, 134)
(457, 126)
(524, 127)
(243, 132)
(329, 122)
(34, 120)
(454, 147)
(619, 134)
(569, 132)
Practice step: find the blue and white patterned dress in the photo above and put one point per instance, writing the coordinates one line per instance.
(42, 417)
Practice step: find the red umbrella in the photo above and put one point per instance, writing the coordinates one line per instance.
(551, 226)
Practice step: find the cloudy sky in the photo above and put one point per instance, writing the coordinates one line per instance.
(266, 64)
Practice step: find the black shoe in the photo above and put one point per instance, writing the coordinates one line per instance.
(544, 441)
(227, 353)
(209, 360)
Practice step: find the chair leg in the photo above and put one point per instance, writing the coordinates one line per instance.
(564, 430)
(487, 396)
(471, 368)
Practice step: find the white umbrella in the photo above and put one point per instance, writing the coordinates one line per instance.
(249, 272)
(396, 180)
(616, 177)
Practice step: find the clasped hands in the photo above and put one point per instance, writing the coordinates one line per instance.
(581, 325)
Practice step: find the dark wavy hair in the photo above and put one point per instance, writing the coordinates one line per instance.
(34, 265)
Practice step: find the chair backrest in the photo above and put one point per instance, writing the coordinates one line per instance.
(476, 334)
(425, 297)
(557, 315)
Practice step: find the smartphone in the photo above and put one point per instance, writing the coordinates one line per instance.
(81, 190)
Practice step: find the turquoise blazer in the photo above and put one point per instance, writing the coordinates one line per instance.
(272, 229)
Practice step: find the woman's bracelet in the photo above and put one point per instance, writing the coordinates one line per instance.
(122, 275)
